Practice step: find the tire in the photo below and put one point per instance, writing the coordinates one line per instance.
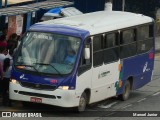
(82, 103)
(126, 91)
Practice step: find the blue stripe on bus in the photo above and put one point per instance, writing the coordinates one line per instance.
(60, 29)
(139, 67)
(30, 78)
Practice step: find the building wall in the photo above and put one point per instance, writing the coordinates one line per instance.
(146, 7)
(89, 5)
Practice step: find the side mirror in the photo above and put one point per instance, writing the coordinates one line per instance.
(87, 53)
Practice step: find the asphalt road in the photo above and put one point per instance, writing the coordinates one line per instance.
(146, 109)
(144, 99)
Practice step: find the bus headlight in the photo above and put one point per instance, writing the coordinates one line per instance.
(14, 81)
(64, 87)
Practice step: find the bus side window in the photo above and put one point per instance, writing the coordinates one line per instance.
(111, 49)
(127, 43)
(97, 50)
(127, 36)
(85, 64)
(144, 38)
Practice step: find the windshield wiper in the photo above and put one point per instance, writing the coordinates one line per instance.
(51, 66)
(28, 66)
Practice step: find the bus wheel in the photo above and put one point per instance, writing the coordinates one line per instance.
(126, 91)
(82, 103)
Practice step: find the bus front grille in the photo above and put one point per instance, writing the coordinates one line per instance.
(37, 94)
(38, 86)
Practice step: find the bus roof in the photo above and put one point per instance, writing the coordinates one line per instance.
(102, 21)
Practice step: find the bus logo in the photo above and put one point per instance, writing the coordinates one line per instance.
(22, 77)
(145, 68)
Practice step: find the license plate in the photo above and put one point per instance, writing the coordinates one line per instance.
(37, 100)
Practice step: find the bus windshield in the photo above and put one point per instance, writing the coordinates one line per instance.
(48, 53)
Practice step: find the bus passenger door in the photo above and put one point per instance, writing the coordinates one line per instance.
(105, 66)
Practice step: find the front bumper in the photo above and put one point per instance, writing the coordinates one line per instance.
(58, 97)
